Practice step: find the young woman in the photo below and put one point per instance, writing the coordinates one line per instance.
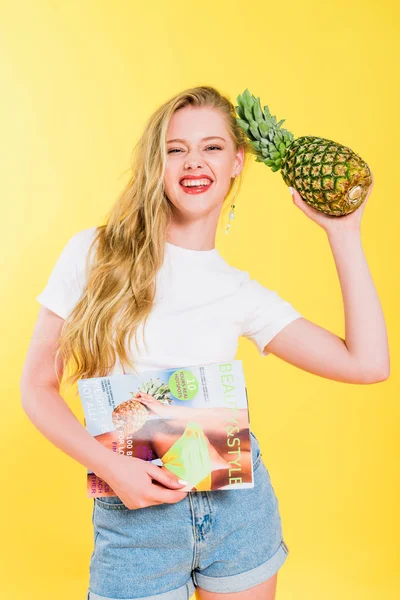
(153, 271)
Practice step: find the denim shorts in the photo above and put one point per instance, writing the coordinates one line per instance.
(221, 540)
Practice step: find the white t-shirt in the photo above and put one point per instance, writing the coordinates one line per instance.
(202, 306)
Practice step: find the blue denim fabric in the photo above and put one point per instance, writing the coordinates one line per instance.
(222, 540)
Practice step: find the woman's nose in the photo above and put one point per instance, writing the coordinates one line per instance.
(193, 161)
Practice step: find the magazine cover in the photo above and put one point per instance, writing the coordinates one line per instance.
(193, 421)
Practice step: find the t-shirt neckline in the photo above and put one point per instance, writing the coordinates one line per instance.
(189, 251)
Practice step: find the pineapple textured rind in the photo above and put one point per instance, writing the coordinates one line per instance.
(329, 176)
(325, 173)
(131, 415)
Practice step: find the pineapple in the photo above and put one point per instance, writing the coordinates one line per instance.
(329, 177)
(131, 414)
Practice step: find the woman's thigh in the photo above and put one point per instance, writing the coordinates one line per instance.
(142, 552)
(262, 591)
(239, 541)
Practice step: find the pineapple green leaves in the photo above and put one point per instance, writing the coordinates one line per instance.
(269, 141)
(159, 391)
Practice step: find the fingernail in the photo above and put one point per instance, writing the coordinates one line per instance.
(291, 190)
(183, 482)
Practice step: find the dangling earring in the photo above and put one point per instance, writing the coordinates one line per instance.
(232, 212)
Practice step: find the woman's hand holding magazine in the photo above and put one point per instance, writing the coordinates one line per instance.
(131, 480)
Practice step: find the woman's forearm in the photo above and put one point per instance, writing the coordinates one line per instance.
(365, 330)
(53, 418)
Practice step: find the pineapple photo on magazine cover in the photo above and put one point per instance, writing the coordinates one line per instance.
(185, 441)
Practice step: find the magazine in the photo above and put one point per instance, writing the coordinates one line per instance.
(192, 421)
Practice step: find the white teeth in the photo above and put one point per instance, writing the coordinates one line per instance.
(195, 182)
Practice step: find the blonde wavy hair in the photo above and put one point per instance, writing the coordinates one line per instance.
(129, 250)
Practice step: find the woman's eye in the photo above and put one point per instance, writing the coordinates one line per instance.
(178, 149)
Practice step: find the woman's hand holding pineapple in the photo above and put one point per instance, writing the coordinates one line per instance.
(332, 224)
(164, 411)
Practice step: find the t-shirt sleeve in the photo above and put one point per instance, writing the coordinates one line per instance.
(265, 313)
(67, 280)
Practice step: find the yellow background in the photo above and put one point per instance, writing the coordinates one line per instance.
(79, 79)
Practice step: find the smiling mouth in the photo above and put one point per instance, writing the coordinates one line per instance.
(203, 180)
(198, 189)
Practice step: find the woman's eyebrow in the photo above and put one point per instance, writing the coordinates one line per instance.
(210, 137)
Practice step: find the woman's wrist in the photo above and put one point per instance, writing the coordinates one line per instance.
(106, 461)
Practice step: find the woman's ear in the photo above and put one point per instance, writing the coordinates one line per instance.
(239, 162)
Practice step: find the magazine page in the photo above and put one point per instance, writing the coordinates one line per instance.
(193, 421)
